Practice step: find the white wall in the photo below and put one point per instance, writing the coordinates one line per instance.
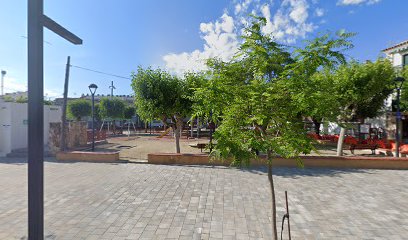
(5, 129)
(13, 125)
(396, 57)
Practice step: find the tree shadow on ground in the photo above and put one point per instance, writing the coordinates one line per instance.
(289, 172)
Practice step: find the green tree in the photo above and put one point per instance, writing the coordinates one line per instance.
(79, 108)
(404, 90)
(160, 95)
(262, 95)
(361, 90)
(97, 112)
(129, 112)
(21, 99)
(113, 108)
(8, 98)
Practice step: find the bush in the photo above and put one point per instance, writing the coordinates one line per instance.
(79, 108)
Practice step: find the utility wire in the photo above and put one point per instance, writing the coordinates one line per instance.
(100, 72)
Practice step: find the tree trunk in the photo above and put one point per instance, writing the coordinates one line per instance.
(177, 134)
(270, 177)
(316, 124)
(192, 128)
(340, 142)
(198, 127)
(146, 127)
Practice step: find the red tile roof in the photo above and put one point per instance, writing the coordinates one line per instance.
(396, 46)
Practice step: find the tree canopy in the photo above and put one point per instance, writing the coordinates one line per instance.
(262, 94)
(160, 95)
(404, 89)
(112, 108)
(79, 108)
(129, 112)
(362, 88)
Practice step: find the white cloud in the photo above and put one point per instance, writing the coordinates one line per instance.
(357, 2)
(221, 41)
(319, 12)
(13, 85)
(243, 6)
(288, 22)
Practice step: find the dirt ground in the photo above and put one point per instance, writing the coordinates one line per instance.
(136, 147)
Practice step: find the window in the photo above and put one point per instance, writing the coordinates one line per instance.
(405, 60)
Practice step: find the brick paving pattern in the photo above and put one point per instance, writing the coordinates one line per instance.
(140, 201)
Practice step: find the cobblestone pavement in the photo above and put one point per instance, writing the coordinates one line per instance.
(140, 201)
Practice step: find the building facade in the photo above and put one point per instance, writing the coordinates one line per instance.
(398, 55)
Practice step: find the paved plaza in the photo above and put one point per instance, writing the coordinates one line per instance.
(141, 201)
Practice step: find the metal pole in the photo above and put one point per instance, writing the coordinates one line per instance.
(64, 106)
(211, 123)
(397, 134)
(35, 121)
(112, 87)
(3, 73)
(287, 212)
(93, 121)
(192, 128)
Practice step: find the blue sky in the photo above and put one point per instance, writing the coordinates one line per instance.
(178, 35)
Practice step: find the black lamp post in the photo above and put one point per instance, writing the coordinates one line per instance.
(398, 83)
(93, 88)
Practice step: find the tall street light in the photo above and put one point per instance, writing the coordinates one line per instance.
(36, 21)
(92, 89)
(398, 84)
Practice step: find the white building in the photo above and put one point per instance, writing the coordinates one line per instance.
(398, 54)
(13, 125)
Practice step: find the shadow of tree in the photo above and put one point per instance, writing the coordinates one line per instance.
(287, 172)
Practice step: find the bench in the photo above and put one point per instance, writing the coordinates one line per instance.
(201, 146)
(372, 147)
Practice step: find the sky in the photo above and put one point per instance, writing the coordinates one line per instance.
(179, 35)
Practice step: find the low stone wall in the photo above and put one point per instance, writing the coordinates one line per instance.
(308, 161)
(76, 135)
(88, 156)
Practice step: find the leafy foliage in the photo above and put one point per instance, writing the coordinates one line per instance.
(261, 96)
(263, 93)
(21, 99)
(113, 108)
(129, 112)
(404, 90)
(79, 108)
(361, 88)
(160, 95)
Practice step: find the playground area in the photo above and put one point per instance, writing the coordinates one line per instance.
(136, 147)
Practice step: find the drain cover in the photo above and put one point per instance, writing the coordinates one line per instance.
(124, 147)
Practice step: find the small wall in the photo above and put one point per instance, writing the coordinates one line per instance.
(14, 125)
(76, 135)
(88, 156)
(308, 161)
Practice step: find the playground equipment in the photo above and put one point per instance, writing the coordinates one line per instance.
(165, 132)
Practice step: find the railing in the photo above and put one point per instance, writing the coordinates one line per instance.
(99, 135)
